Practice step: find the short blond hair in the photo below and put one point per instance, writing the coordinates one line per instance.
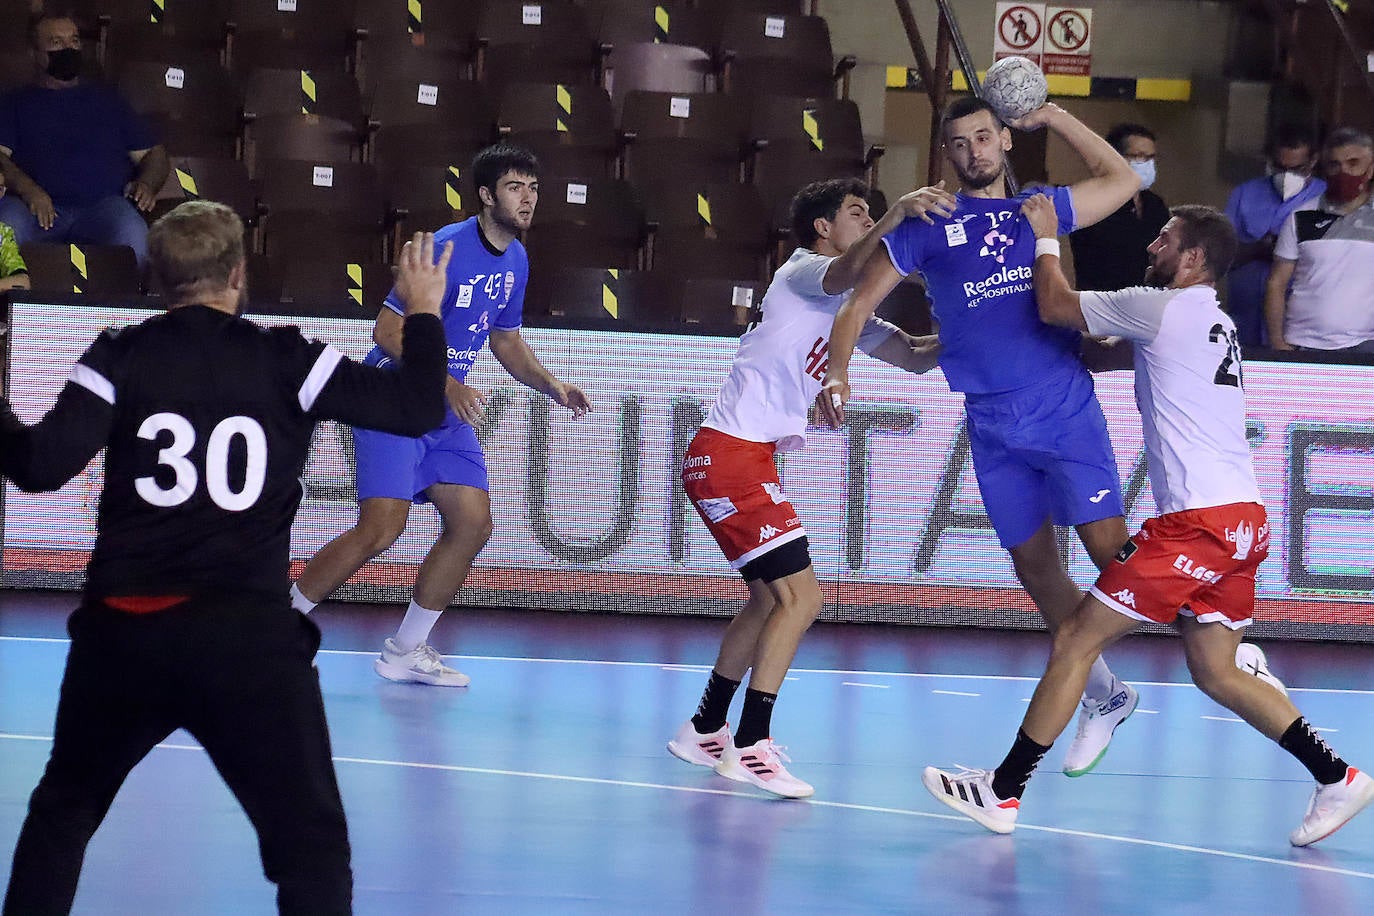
(193, 249)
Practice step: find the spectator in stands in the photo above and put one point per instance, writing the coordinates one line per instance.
(1326, 250)
(1111, 254)
(79, 163)
(1258, 209)
(14, 273)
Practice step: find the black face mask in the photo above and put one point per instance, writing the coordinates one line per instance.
(64, 65)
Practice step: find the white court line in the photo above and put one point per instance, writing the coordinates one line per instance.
(844, 806)
(661, 665)
(956, 693)
(858, 684)
(1224, 719)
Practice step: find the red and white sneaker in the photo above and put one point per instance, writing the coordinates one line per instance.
(970, 793)
(761, 764)
(1331, 806)
(694, 747)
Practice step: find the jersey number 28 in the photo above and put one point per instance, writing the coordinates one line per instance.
(216, 462)
(1228, 373)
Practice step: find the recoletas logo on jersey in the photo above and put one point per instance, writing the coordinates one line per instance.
(995, 246)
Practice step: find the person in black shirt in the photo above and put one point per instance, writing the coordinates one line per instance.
(1111, 254)
(206, 422)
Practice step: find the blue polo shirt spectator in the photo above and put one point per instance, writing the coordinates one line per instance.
(80, 164)
(1258, 209)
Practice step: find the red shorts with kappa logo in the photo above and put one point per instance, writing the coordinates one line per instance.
(1200, 563)
(735, 487)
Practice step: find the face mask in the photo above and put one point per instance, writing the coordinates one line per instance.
(1146, 171)
(1344, 188)
(64, 65)
(1288, 183)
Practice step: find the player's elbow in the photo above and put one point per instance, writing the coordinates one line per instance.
(1060, 310)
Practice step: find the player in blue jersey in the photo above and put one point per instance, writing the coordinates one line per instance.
(1037, 435)
(484, 296)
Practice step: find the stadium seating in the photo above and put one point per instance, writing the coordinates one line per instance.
(787, 55)
(547, 42)
(570, 127)
(692, 136)
(95, 270)
(298, 34)
(194, 107)
(312, 207)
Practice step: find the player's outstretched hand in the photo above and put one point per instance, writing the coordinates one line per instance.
(1040, 212)
(830, 402)
(468, 403)
(925, 201)
(573, 398)
(1037, 119)
(420, 277)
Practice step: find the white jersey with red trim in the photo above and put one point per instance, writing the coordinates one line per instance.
(1188, 388)
(778, 368)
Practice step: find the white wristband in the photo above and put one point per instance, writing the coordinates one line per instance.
(1047, 246)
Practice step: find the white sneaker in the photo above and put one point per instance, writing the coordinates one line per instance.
(1250, 659)
(761, 764)
(970, 793)
(1331, 806)
(1096, 722)
(694, 747)
(420, 665)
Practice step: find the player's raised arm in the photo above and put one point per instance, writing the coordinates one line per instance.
(845, 270)
(879, 277)
(1112, 181)
(1057, 301)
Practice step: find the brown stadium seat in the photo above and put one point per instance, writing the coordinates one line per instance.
(692, 136)
(399, 32)
(299, 34)
(333, 207)
(302, 114)
(657, 67)
(194, 107)
(422, 120)
(547, 42)
(223, 180)
(720, 305)
(788, 55)
(723, 8)
(424, 198)
(570, 127)
(16, 68)
(678, 22)
(329, 285)
(715, 230)
(144, 30)
(587, 222)
(95, 270)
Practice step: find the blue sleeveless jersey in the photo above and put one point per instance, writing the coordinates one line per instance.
(977, 268)
(485, 290)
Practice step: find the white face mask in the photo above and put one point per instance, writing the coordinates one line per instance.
(1146, 171)
(1288, 183)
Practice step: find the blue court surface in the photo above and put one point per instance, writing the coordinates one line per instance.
(545, 787)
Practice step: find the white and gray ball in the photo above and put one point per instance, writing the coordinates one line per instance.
(1014, 87)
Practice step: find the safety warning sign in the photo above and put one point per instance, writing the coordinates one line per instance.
(1068, 40)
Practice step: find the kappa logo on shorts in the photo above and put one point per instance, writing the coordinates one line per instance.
(775, 493)
(1126, 597)
(1127, 550)
(717, 508)
(768, 531)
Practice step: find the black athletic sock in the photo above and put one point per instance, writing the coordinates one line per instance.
(756, 719)
(1303, 742)
(1009, 780)
(715, 703)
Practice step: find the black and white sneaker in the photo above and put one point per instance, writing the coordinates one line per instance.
(970, 793)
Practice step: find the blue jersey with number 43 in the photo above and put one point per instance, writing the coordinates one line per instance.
(976, 264)
(485, 290)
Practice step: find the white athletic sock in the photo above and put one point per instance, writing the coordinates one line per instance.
(1101, 681)
(299, 601)
(415, 627)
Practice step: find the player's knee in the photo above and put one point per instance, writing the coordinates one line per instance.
(377, 536)
(1212, 675)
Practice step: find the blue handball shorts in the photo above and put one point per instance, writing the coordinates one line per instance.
(1043, 452)
(398, 467)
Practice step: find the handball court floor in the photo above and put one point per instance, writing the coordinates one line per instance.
(545, 786)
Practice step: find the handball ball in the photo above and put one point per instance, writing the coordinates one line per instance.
(1014, 87)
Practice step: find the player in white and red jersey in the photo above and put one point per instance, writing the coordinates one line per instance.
(729, 475)
(1193, 566)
